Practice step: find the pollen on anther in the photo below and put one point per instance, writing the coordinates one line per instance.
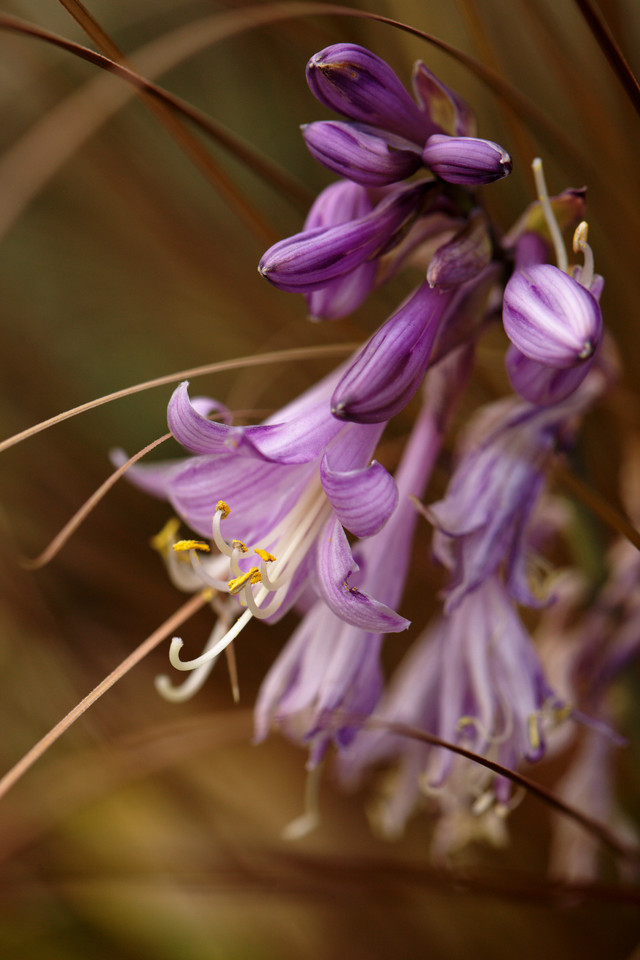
(251, 576)
(163, 540)
(239, 545)
(223, 508)
(264, 554)
(191, 545)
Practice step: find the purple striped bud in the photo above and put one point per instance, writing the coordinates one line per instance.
(339, 203)
(315, 257)
(551, 318)
(360, 154)
(389, 369)
(466, 160)
(446, 110)
(361, 86)
(541, 384)
(464, 256)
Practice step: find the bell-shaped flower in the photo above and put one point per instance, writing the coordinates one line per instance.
(550, 317)
(360, 153)
(474, 680)
(466, 160)
(340, 203)
(482, 523)
(356, 83)
(315, 257)
(328, 677)
(275, 499)
(388, 370)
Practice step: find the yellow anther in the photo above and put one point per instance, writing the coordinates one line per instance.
(191, 545)
(223, 508)
(466, 722)
(163, 540)
(239, 545)
(251, 576)
(580, 236)
(264, 554)
(562, 713)
(534, 735)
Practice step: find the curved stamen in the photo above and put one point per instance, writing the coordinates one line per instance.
(177, 644)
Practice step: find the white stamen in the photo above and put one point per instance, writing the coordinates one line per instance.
(177, 645)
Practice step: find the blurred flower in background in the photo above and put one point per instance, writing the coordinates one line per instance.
(131, 232)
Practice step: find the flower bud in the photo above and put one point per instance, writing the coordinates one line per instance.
(389, 369)
(361, 86)
(338, 203)
(358, 153)
(315, 257)
(464, 256)
(446, 110)
(466, 160)
(551, 318)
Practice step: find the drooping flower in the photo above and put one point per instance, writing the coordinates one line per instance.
(482, 523)
(328, 677)
(275, 499)
(472, 679)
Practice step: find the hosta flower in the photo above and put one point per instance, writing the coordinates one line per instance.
(466, 160)
(359, 153)
(482, 523)
(550, 317)
(340, 203)
(317, 256)
(472, 679)
(275, 499)
(328, 677)
(388, 370)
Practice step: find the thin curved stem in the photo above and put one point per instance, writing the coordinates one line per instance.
(172, 623)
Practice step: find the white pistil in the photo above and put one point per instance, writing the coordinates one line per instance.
(580, 245)
(556, 235)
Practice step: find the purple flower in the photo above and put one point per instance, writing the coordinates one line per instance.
(275, 499)
(355, 82)
(472, 679)
(340, 203)
(550, 317)
(388, 370)
(315, 257)
(361, 153)
(466, 160)
(463, 257)
(482, 523)
(328, 677)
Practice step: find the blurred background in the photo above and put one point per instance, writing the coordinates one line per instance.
(152, 829)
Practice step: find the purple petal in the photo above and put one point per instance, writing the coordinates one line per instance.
(550, 317)
(362, 499)
(335, 565)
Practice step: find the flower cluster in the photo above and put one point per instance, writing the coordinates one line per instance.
(295, 512)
